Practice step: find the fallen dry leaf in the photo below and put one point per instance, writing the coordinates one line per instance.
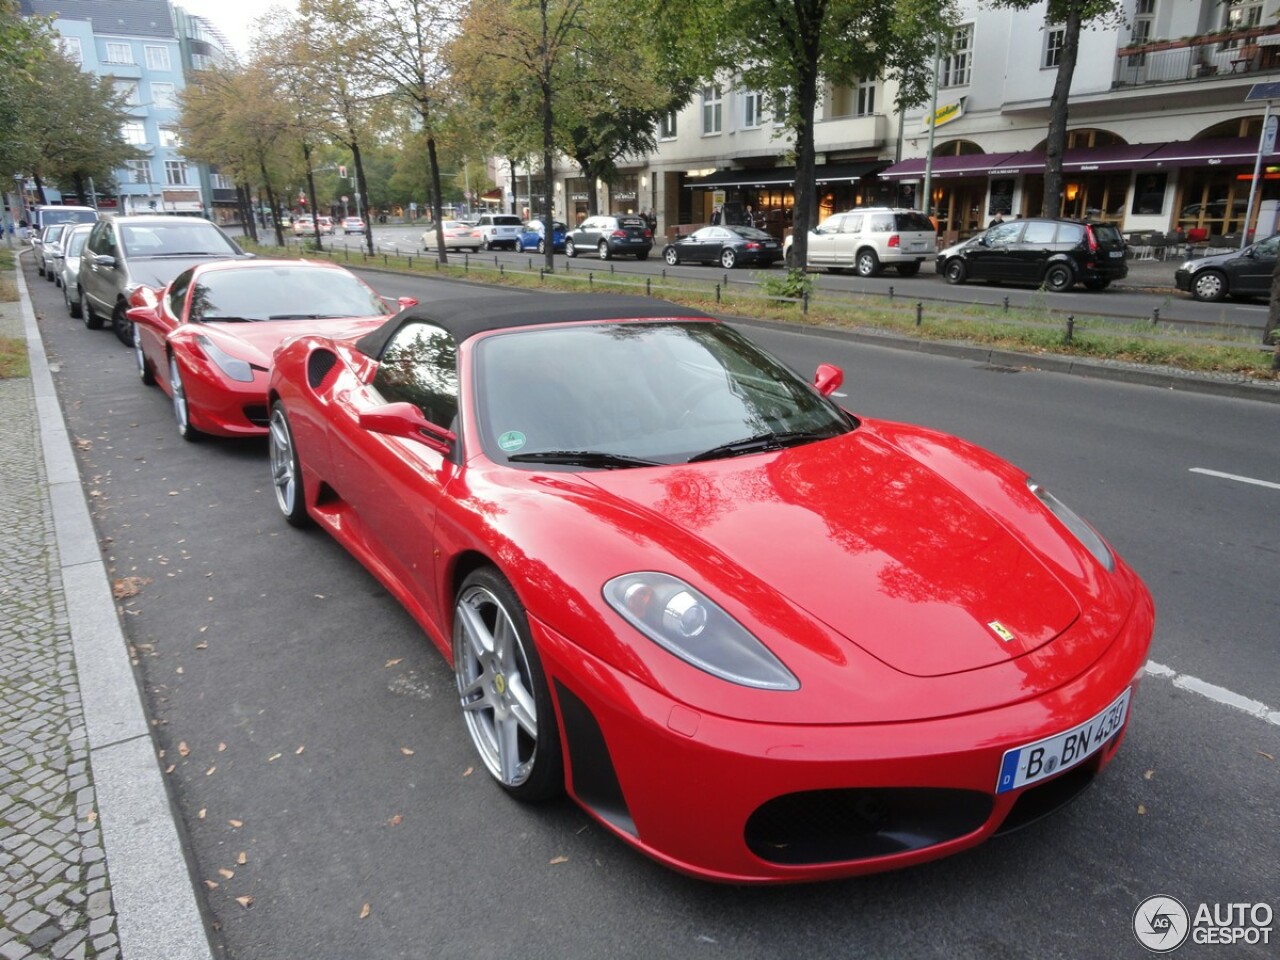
(226, 874)
(319, 596)
(211, 884)
(406, 751)
(180, 671)
(392, 663)
(469, 771)
(1142, 811)
(173, 493)
(1263, 753)
(202, 645)
(556, 860)
(242, 858)
(222, 747)
(245, 902)
(364, 911)
(236, 823)
(92, 816)
(299, 750)
(209, 772)
(1148, 775)
(203, 811)
(170, 768)
(395, 821)
(274, 756)
(126, 587)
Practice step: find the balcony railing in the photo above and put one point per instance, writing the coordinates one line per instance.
(1206, 57)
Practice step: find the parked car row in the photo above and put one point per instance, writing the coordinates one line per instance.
(471, 452)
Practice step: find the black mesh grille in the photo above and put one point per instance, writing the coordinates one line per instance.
(827, 826)
(318, 366)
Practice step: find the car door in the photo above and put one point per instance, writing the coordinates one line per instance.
(588, 235)
(1249, 275)
(1028, 256)
(98, 267)
(394, 484)
(989, 258)
(848, 239)
(822, 242)
(704, 245)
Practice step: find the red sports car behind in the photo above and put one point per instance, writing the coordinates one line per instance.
(207, 338)
(759, 638)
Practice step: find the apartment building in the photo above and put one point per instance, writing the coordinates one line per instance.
(1161, 135)
(143, 45)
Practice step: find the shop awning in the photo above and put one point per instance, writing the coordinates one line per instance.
(968, 165)
(1233, 151)
(1124, 156)
(786, 176)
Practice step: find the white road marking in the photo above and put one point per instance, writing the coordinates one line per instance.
(1236, 477)
(1217, 694)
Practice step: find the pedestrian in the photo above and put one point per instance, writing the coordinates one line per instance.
(997, 219)
(715, 215)
(749, 218)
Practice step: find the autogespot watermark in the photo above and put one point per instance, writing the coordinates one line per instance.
(1162, 924)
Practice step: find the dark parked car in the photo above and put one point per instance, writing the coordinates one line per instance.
(729, 246)
(126, 253)
(610, 236)
(1240, 273)
(1055, 254)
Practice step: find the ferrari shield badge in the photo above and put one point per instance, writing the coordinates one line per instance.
(1001, 631)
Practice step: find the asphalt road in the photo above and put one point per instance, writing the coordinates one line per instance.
(319, 764)
(1147, 292)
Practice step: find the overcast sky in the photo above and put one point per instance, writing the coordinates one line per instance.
(234, 17)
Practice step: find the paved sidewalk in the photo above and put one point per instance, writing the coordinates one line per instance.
(91, 867)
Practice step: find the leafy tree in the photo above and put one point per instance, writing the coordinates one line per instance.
(25, 42)
(1073, 15)
(788, 49)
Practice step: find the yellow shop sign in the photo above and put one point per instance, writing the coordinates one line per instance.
(946, 113)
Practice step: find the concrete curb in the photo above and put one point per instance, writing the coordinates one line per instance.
(158, 915)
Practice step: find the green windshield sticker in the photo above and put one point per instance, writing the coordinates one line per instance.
(511, 441)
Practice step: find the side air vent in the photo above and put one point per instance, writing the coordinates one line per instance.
(318, 366)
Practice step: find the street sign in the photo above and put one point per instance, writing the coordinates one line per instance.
(1269, 134)
(1263, 91)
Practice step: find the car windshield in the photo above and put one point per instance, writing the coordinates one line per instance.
(597, 395)
(750, 233)
(76, 243)
(285, 292)
(181, 237)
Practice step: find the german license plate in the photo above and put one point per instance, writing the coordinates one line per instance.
(1044, 758)
(1116, 254)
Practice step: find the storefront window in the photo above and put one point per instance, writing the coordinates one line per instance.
(1148, 194)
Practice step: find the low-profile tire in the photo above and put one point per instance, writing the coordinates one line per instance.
(91, 319)
(868, 264)
(286, 472)
(73, 306)
(502, 690)
(1059, 277)
(181, 410)
(145, 373)
(728, 259)
(908, 269)
(671, 256)
(121, 326)
(570, 249)
(602, 250)
(1209, 285)
(955, 271)
(48, 275)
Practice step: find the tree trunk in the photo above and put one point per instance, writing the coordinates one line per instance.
(805, 212)
(362, 193)
(311, 192)
(437, 208)
(1056, 142)
(40, 189)
(271, 201)
(244, 197)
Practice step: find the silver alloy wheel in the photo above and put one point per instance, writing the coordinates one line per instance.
(603, 250)
(1209, 285)
(284, 475)
(180, 412)
(728, 259)
(671, 256)
(495, 686)
(868, 263)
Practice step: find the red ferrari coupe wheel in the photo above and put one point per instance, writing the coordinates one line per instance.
(144, 370)
(286, 475)
(181, 412)
(502, 689)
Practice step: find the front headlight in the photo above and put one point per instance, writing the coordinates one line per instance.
(1081, 530)
(233, 367)
(685, 622)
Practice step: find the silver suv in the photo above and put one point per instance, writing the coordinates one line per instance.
(500, 230)
(125, 253)
(866, 238)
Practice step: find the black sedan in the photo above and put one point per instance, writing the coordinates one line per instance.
(729, 246)
(1240, 273)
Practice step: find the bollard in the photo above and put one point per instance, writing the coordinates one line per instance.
(542, 274)
(385, 261)
(804, 302)
(717, 293)
(502, 272)
(1155, 316)
(1006, 304)
(1071, 326)
(890, 292)
(648, 290)
(591, 279)
(919, 313)
(664, 273)
(725, 280)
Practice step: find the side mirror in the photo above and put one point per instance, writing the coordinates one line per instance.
(104, 260)
(405, 420)
(143, 315)
(406, 302)
(828, 379)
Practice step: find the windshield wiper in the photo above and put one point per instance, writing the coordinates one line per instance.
(582, 458)
(207, 318)
(758, 443)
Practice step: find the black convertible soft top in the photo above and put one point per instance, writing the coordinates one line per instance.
(465, 318)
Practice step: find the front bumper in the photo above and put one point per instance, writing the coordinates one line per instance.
(755, 802)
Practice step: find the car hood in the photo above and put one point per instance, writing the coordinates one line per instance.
(257, 341)
(1216, 259)
(872, 542)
